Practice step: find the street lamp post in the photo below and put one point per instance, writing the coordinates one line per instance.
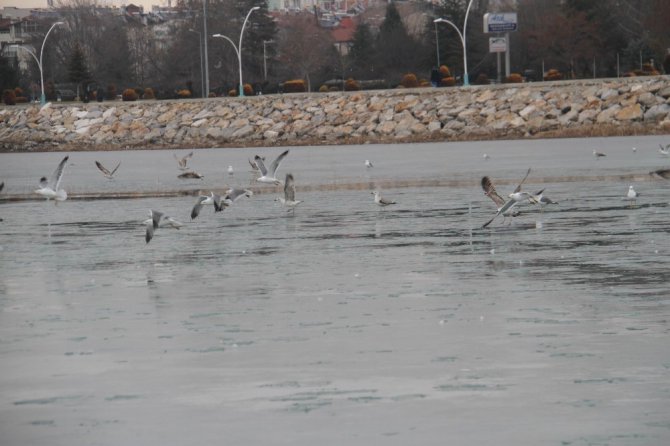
(204, 25)
(462, 37)
(43, 99)
(265, 61)
(437, 45)
(238, 48)
(202, 71)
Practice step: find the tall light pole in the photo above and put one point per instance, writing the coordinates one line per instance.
(437, 45)
(202, 71)
(238, 48)
(462, 37)
(204, 24)
(43, 99)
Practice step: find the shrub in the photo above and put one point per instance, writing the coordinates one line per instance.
(553, 75)
(211, 94)
(18, 91)
(233, 92)
(248, 90)
(514, 78)
(409, 81)
(9, 97)
(444, 71)
(184, 93)
(111, 92)
(129, 95)
(352, 85)
(324, 89)
(649, 70)
(333, 88)
(295, 86)
(482, 79)
(149, 94)
(448, 81)
(21, 99)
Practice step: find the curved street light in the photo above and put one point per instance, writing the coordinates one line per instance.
(39, 61)
(238, 48)
(462, 37)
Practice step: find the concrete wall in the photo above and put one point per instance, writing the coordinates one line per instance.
(427, 114)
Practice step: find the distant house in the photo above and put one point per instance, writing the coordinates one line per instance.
(343, 35)
(134, 10)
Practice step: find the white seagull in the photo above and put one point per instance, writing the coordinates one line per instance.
(183, 161)
(212, 198)
(368, 164)
(598, 154)
(230, 170)
(486, 156)
(665, 151)
(159, 220)
(105, 171)
(632, 195)
(539, 198)
(504, 207)
(51, 189)
(288, 199)
(381, 201)
(234, 194)
(268, 176)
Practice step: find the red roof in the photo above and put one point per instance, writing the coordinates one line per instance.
(345, 31)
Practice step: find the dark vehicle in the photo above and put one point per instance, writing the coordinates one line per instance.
(65, 95)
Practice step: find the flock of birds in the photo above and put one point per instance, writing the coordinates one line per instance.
(51, 189)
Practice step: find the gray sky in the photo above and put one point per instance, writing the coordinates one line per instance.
(43, 3)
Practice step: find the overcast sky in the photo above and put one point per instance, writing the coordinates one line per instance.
(43, 3)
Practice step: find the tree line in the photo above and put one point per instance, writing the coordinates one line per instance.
(579, 38)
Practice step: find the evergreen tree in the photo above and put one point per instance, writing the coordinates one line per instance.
(8, 76)
(362, 53)
(77, 69)
(396, 50)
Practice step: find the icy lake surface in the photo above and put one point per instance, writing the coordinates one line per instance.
(344, 323)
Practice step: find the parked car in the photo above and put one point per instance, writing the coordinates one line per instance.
(65, 95)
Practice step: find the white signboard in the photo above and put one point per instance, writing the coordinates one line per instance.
(497, 44)
(500, 22)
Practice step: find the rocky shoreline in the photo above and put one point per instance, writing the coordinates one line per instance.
(607, 107)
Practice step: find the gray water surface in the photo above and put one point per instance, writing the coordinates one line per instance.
(343, 323)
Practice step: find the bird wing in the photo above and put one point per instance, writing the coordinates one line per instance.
(234, 194)
(663, 173)
(198, 205)
(150, 232)
(171, 222)
(289, 188)
(58, 173)
(275, 164)
(490, 191)
(505, 207)
(2, 185)
(115, 169)
(156, 218)
(260, 165)
(253, 164)
(103, 169)
(518, 188)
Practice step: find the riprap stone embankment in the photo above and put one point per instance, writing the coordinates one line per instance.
(641, 105)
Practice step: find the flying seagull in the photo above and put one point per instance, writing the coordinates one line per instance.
(381, 201)
(106, 172)
(504, 207)
(539, 198)
(598, 154)
(268, 176)
(664, 150)
(212, 198)
(159, 220)
(181, 162)
(51, 189)
(661, 173)
(234, 194)
(288, 200)
(189, 174)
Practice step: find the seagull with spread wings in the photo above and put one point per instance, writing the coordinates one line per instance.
(288, 200)
(183, 161)
(504, 206)
(203, 200)
(51, 189)
(269, 175)
(159, 220)
(105, 171)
